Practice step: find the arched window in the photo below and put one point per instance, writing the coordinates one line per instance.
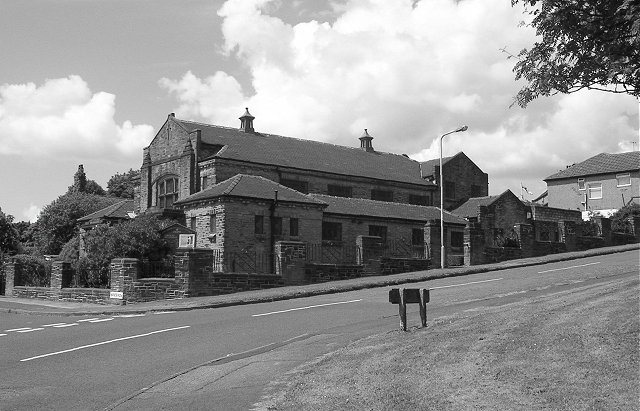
(167, 192)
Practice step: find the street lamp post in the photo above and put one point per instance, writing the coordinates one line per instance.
(442, 248)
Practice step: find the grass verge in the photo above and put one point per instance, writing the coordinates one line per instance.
(576, 349)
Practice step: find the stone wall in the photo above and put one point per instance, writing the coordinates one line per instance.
(390, 265)
(321, 273)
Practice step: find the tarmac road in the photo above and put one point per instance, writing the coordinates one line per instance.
(53, 360)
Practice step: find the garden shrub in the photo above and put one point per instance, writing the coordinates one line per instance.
(35, 271)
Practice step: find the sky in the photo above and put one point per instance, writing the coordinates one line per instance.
(91, 81)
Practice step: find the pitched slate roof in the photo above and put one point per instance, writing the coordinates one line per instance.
(119, 210)
(250, 186)
(602, 163)
(306, 154)
(428, 167)
(371, 208)
(470, 207)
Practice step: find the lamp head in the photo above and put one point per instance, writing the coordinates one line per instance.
(463, 128)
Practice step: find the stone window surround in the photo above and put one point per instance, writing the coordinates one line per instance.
(164, 197)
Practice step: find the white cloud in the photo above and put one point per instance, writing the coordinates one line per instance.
(407, 72)
(62, 118)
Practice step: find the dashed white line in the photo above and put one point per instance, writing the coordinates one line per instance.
(129, 315)
(65, 325)
(568, 268)
(17, 329)
(104, 342)
(101, 320)
(30, 330)
(2, 335)
(306, 308)
(460, 285)
(163, 312)
(87, 319)
(53, 325)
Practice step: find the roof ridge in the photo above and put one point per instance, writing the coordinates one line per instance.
(298, 139)
(236, 179)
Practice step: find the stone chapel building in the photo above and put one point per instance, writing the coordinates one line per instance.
(239, 188)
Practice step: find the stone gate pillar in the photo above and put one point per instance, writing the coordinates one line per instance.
(432, 241)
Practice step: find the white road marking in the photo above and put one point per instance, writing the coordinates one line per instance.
(130, 315)
(460, 285)
(105, 342)
(305, 308)
(53, 325)
(101, 320)
(17, 329)
(568, 268)
(30, 330)
(163, 312)
(65, 325)
(2, 335)
(87, 319)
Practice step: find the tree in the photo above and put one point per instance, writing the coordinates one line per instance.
(586, 44)
(82, 185)
(9, 240)
(123, 185)
(57, 223)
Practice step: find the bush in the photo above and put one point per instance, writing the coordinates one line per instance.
(89, 274)
(138, 238)
(35, 271)
(620, 219)
(588, 228)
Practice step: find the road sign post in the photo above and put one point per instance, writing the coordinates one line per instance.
(405, 296)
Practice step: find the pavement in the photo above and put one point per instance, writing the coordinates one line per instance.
(46, 307)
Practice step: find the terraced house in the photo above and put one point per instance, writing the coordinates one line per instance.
(242, 190)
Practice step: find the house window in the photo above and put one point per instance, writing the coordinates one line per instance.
(298, 185)
(192, 223)
(382, 195)
(623, 179)
(449, 189)
(213, 228)
(417, 236)
(581, 185)
(457, 239)
(277, 225)
(203, 186)
(258, 223)
(378, 231)
(167, 192)
(293, 227)
(339, 191)
(418, 200)
(331, 231)
(595, 191)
